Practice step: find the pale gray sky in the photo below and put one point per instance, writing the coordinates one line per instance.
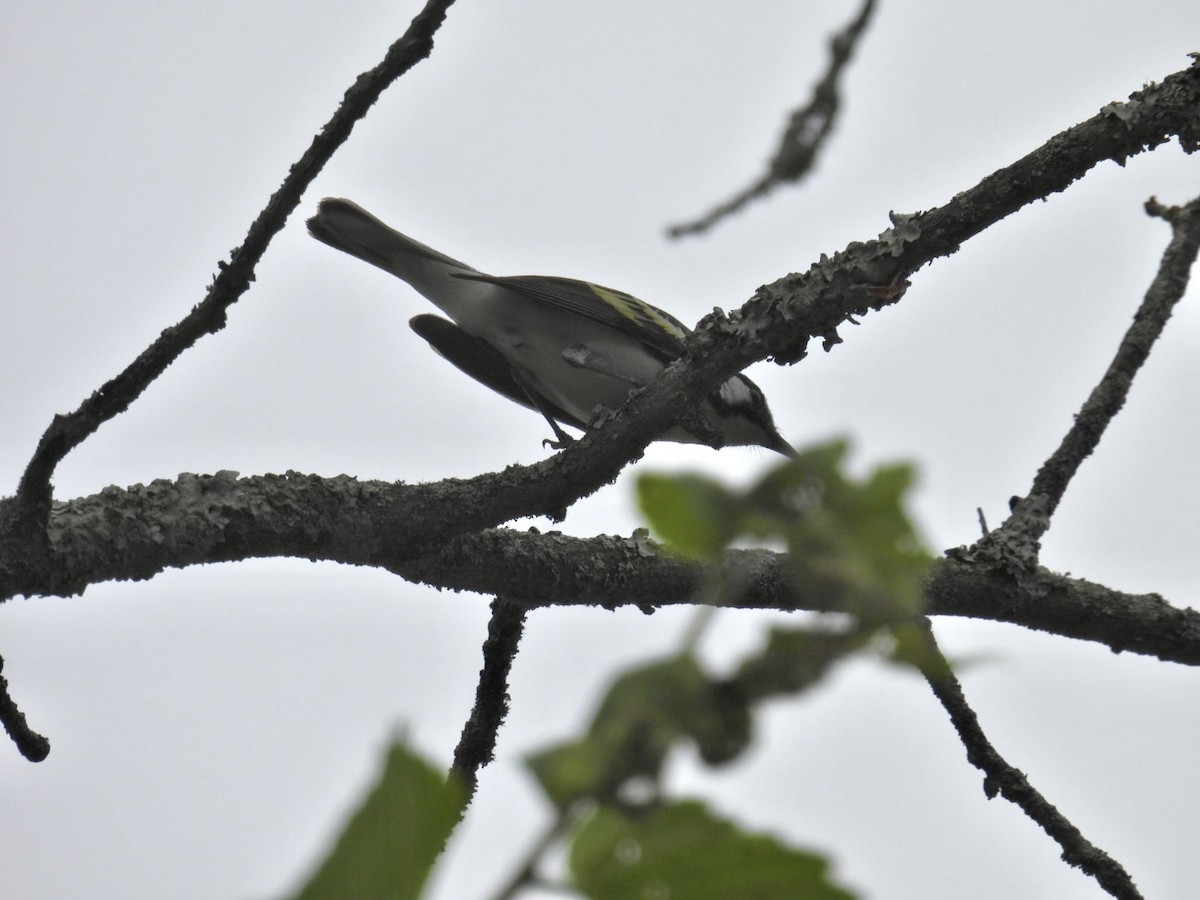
(210, 726)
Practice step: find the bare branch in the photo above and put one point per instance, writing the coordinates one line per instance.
(223, 518)
(783, 316)
(807, 130)
(1032, 513)
(1149, 118)
(1069, 607)
(137, 532)
(33, 746)
(66, 432)
(478, 742)
(1010, 783)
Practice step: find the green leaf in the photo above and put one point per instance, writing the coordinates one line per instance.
(850, 540)
(796, 659)
(683, 850)
(567, 772)
(646, 712)
(389, 846)
(694, 514)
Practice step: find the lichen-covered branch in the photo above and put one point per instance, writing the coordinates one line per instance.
(136, 533)
(235, 276)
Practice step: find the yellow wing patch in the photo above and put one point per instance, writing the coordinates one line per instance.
(638, 311)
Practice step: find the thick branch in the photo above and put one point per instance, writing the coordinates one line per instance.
(136, 533)
(782, 316)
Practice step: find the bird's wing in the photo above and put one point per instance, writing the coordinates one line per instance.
(483, 362)
(623, 312)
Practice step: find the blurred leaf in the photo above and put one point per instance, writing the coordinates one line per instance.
(795, 659)
(645, 713)
(693, 514)
(389, 846)
(567, 772)
(848, 539)
(671, 694)
(911, 646)
(682, 851)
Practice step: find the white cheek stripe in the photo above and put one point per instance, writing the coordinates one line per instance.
(735, 392)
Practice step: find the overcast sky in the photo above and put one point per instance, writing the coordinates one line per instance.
(210, 726)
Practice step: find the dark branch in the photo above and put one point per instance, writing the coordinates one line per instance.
(1010, 783)
(1032, 514)
(346, 521)
(783, 316)
(806, 132)
(1069, 607)
(1148, 119)
(115, 396)
(138, 532)
(478, 742)
(33, 746)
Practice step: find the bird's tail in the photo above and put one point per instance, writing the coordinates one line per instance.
(348, 227)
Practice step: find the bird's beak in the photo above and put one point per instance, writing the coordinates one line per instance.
(779, 445)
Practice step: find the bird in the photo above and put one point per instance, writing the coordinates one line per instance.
(568, 349)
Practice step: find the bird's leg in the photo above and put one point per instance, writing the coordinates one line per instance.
(535, 400)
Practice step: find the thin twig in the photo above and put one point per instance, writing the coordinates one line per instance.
(806, 132)
(33, 746)
(477, 744)
(1001, 778)
(526, 874)
(1032, 514)
(68, 431)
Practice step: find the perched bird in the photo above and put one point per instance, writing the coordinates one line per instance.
(568, 349)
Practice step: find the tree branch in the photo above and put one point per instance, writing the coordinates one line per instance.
(33, 746)
(1032, 514)
(477, 745)
(807, 131)
(1003, 779)
(783, 316)
(1069, 607)
(66, 432)
(136, 533)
